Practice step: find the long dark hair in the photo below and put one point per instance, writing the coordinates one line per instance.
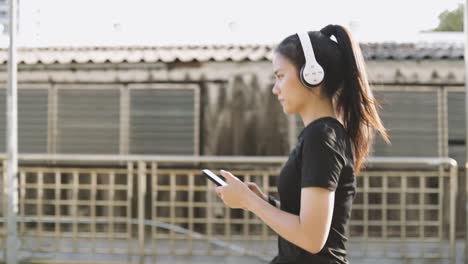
(345, 82)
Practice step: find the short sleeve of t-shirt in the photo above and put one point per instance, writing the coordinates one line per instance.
(322, 157)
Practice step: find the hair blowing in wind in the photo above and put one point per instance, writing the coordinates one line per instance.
(355, 103)
(345, 82)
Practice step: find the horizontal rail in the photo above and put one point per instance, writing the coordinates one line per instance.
(373, 161)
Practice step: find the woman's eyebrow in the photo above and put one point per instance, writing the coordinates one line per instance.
(276, 71)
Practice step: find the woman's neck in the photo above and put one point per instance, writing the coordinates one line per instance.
(319, 109)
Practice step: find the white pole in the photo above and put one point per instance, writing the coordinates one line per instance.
(12, 143)
(465, 26)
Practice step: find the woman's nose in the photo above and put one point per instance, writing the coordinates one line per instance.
(275, 89)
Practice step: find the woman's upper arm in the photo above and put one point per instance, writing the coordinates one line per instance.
(316, 215)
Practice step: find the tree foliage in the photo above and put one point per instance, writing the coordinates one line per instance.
(451, 20)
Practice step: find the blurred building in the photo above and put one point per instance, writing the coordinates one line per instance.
(217, 100)
(4, 17)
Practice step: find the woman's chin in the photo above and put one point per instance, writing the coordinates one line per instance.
(287, 111)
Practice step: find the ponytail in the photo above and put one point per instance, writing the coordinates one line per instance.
(345, 82)
(355, 103)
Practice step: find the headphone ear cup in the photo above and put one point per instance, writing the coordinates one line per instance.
(303, 80)
(301, 77)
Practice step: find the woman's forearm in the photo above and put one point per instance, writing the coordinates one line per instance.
(284, 224)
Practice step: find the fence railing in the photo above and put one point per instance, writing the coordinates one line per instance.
(148, 206)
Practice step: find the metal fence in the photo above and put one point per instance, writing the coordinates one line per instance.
(148, 206)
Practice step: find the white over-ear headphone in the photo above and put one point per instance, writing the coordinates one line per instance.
(312, 73)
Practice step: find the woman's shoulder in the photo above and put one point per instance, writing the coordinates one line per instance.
(324, 128)
(327, 135)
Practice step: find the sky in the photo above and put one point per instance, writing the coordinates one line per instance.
(167, 22)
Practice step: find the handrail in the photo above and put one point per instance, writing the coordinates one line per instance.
(411, 161)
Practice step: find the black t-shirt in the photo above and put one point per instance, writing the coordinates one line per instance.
(322, 158)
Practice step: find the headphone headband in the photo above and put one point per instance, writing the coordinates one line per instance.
(309, 54)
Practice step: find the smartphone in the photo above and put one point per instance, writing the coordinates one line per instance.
(214, 178)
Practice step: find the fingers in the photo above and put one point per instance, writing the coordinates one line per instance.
(228, 176)
(219, 192)
(251, 184)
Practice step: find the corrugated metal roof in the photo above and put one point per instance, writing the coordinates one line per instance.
(412, 51)
(151, 54)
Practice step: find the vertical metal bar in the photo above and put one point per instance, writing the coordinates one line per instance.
(39, 204)
(49, 118)
(57, 209)
(421, 212)
(74, 208)
(191, 187)
(172, 215)
(445, 151)
(440, 207)
(124, 120)
(209, 221)
(384, 212)
(4, 201)
(403, 202)
(54, 139)
(129, 206)
(141, 208)
(154, 197)
(22, 201)
(453, 199)
(12, 143)
(441, 194)
(197, 118)
(365, 206)
(266, 188)
(111, 211)
(439, 124)
(92, 205)
(465, 26)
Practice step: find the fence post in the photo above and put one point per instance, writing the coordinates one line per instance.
(453, 167)
(141, 209)
(4, 204)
